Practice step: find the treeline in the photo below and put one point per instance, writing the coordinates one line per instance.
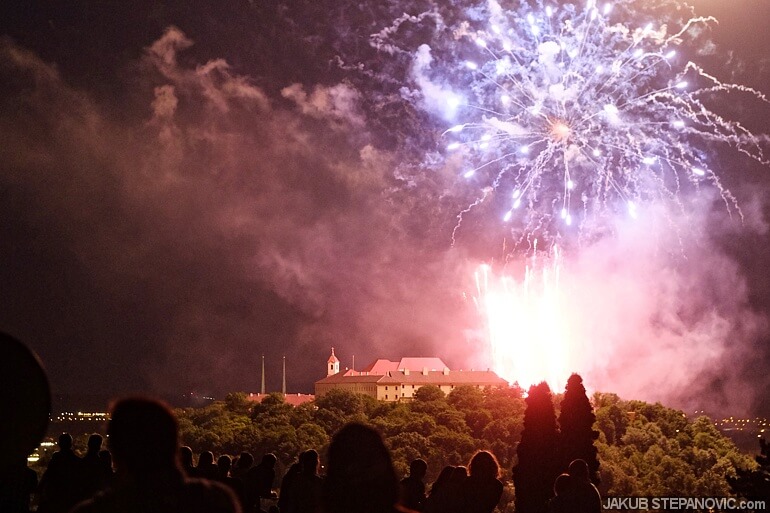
(643, 449)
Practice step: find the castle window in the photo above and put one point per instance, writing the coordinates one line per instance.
(386, 396)
(386, 388)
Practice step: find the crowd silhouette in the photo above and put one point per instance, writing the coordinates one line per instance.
(153, 474)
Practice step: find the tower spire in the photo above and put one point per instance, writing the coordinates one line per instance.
(283, 384)
(332, 365)
(262, 389)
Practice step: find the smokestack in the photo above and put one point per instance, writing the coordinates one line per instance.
(283, 384)
(354, 363)
(262, 389)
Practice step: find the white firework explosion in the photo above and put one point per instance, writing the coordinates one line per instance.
(583, 112)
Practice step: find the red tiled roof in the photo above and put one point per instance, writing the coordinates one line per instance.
(380, 367)
(418, 364)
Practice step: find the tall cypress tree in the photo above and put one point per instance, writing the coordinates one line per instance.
(576, 422)
(539, 461)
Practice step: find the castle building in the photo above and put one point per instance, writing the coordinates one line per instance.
(398, 381)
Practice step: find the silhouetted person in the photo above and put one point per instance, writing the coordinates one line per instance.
(186, 461)
(360, 476)
(25, 403)
(17, 483)
(284, 497)
(258, 482)
(242, 466)
(483, 488)
(143, 439)
(561, 489)
(455, 490)
(224, 464)
(60, 487)
(92, 475)
(437, 501)
(583, 495)
(206, 467)
(412, 487)
(307, 486)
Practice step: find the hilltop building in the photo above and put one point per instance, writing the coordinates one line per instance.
(398, 381)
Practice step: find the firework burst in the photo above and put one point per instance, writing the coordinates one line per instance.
(581, 113)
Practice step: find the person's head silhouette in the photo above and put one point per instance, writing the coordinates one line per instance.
(484, 465)
(95, 443)
(65, 441)
(360, 475)
(269, 460)
(142, 435)
(562, 485)
(186, 456)
(578, 469)
(418, 468)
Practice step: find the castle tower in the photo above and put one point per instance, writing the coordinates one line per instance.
(333, 365)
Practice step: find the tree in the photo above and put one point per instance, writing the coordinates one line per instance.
(238, 402)
(428, 393)
(466, 398)
(576, 422)
(539, 458)
(754, 484)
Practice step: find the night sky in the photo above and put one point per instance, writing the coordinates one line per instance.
(186, 186)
